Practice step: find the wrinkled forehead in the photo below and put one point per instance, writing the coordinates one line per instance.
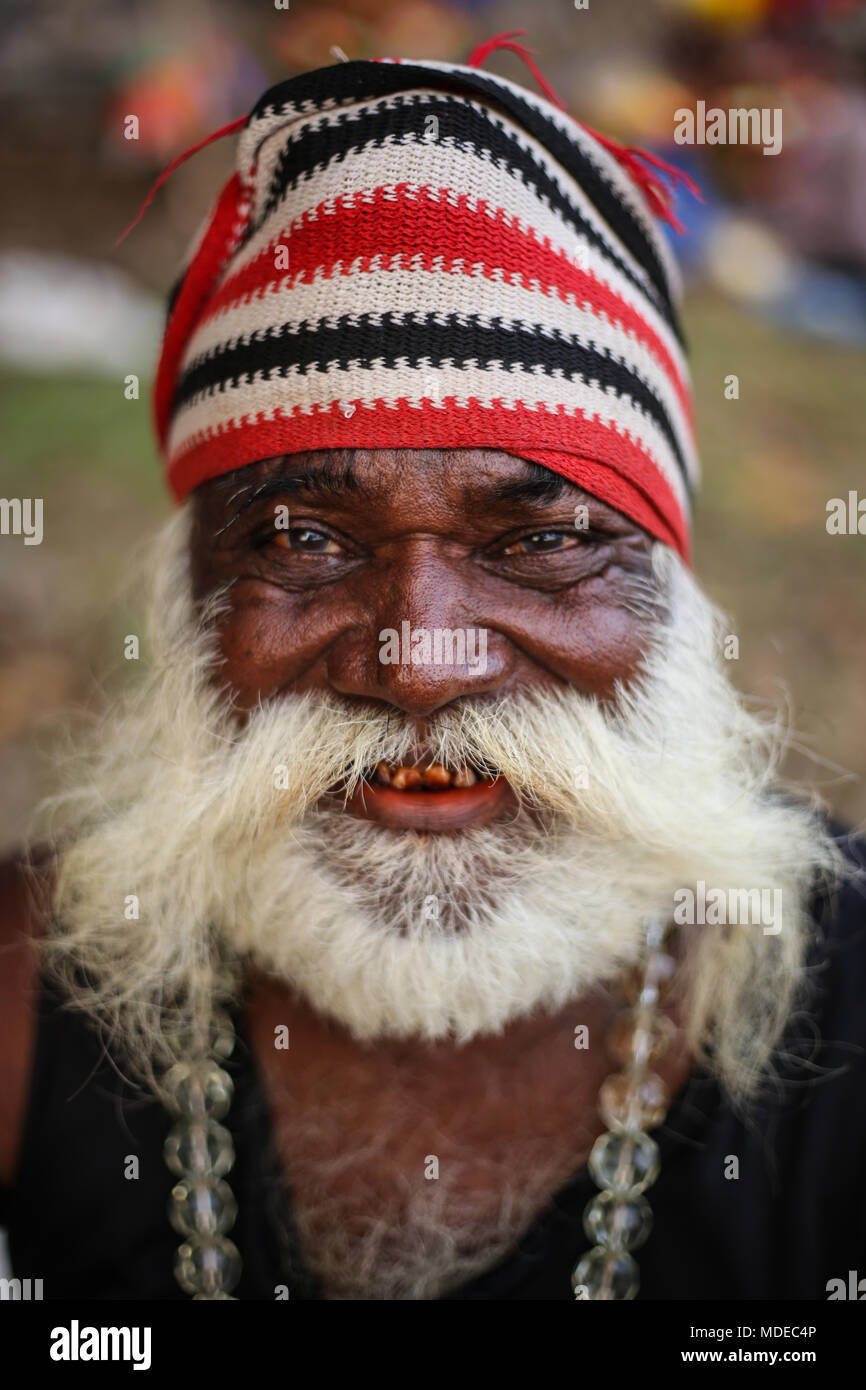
(408, 485)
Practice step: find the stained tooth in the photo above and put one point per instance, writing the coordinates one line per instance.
(406, 777)
(383, 774)
(463, 777)
(436, 776)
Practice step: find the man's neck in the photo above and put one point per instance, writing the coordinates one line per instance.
(402, 1137)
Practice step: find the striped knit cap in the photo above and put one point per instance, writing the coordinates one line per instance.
(422, 255)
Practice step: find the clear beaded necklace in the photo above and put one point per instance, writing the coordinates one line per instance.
(623, 1162)
(200, 1151)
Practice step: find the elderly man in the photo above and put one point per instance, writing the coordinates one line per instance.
(431, 924)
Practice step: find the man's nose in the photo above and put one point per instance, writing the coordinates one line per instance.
(420, 645)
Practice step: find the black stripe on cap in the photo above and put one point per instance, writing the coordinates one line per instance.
(363, 341)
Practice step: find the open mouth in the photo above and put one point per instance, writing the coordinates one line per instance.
(429, 777)
(430, 796)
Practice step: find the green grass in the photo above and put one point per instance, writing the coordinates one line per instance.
(75, 429)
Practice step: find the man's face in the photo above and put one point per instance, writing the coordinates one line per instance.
(629, 763)
(328, 552)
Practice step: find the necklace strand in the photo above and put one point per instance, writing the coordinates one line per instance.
(200, 1152)
(624, 1161)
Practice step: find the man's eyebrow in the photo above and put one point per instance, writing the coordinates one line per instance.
(538, 489)
(332, 478)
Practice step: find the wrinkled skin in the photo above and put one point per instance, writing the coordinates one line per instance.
(436, 538)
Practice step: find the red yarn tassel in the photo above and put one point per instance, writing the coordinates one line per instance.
(656, 192)
(229, 129)
(504, 40)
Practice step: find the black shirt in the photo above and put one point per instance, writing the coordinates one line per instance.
(794, 1218)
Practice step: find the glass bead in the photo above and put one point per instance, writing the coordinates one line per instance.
(200, 1148)
(208, 1267)
(658, 971)
(648, 997)
(619, 1223)
(661, 968)
(606, 1275)
(631, 983)
(655, 932)
(199, 1088)
(639, 1036)
(626, 1161)
(633, 1099)
(223, 1044)
(201, 1207)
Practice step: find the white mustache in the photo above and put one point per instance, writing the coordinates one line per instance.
(295, 751)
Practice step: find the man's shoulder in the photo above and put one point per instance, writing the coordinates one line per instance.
(23, 910)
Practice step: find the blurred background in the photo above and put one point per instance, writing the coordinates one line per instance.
(774, 261)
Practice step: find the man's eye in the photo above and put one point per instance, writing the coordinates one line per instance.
(540, 543)
(305, 539)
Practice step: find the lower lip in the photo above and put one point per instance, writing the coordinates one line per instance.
(436, 812)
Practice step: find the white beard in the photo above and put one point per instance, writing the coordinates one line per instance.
(398, 934)
(178, 806)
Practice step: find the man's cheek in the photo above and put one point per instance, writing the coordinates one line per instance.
(599, 647)
(255, 656)
(266, 647)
